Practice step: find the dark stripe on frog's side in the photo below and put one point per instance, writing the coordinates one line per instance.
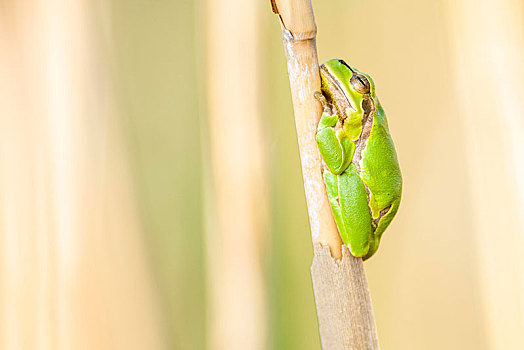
(380, 170)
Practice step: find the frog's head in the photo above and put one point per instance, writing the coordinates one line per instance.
(351, 91)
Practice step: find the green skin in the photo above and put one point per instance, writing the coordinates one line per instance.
(361, 172)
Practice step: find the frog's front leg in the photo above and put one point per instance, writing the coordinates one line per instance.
(345, 189)
(335, 147)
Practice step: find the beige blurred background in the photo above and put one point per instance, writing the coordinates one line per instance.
(150, 186)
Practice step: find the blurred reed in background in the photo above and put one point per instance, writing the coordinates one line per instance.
(75, 270)
(236, 194)
(111, 139)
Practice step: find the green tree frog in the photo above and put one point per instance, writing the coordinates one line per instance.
(360, 166)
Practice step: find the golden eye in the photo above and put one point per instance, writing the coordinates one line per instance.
(360, 83)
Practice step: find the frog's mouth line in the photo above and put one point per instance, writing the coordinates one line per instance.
(336, 94)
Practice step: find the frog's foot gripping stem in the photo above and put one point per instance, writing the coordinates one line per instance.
(321, 98)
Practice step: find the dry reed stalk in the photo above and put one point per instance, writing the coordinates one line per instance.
(344, 308)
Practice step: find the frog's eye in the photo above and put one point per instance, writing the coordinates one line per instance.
(360, 83)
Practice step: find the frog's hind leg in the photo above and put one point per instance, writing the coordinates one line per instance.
(382, 225)
(331, 182)
(355, 211)
(386, 218)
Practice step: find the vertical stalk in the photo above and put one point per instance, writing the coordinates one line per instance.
(344, 307)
